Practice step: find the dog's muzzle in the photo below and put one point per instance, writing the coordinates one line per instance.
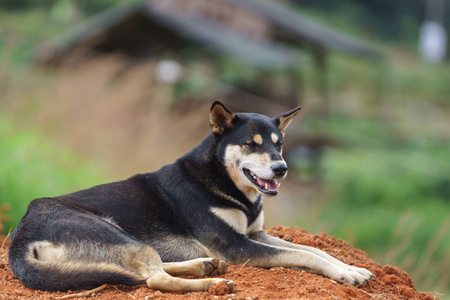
(265, 185)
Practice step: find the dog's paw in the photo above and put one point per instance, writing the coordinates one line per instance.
(215, 266)
(366, 274)
(354, 276)
(221, 288)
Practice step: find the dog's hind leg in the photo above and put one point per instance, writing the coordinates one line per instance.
(136, 262)
(145, 261)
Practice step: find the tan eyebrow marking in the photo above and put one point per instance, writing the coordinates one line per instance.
(258, 139)
(274, 138)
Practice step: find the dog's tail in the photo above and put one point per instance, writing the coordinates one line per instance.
(62, 276)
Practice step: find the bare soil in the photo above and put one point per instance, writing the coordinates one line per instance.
(257, 283)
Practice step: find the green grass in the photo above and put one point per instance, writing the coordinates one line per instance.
(428, 83)
(380, 185)
(31, 167)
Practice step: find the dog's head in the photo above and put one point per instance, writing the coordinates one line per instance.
(251, 147)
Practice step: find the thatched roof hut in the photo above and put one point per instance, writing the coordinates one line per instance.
(250, 30)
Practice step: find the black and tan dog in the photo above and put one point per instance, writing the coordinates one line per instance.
(206, 204)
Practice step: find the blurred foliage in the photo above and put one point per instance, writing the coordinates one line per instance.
(22, 31)
(31, 167)
(392, 164)
(388, 176)
(375, 186)
(26, 24)
(88, 7)
(392, 21)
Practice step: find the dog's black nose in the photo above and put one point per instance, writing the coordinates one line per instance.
(279, 168)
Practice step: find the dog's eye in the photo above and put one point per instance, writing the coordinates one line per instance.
(252, 145)
(279, 145)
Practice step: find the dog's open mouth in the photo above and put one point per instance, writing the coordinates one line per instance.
(266, 186)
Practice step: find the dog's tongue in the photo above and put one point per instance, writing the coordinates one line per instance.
(271, 184)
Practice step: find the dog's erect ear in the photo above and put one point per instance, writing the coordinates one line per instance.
(283, 120)
(220, 118)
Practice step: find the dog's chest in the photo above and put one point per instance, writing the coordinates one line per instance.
(238, 220)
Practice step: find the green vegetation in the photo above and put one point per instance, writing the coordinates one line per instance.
(31, 167)
(21, 31)
(376, 187)
(395, 22)
(389, 179)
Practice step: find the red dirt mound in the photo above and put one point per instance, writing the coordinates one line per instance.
(257, 283)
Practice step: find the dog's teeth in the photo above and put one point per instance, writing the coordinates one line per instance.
(266, 186)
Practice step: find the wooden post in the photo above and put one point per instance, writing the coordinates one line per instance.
(320, 59)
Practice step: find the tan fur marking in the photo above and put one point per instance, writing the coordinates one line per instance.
(258, 139)
(47, 251)
(257, 224)
(72, 267)
(233, 217)
(163, 281)
(195, 267)
(232, 155)
(274, 137)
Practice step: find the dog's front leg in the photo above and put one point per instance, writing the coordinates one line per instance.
(264, 238)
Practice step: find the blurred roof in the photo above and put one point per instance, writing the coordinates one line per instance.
(306, 29)
(269, 54)
(143, 26)
(127, 27)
